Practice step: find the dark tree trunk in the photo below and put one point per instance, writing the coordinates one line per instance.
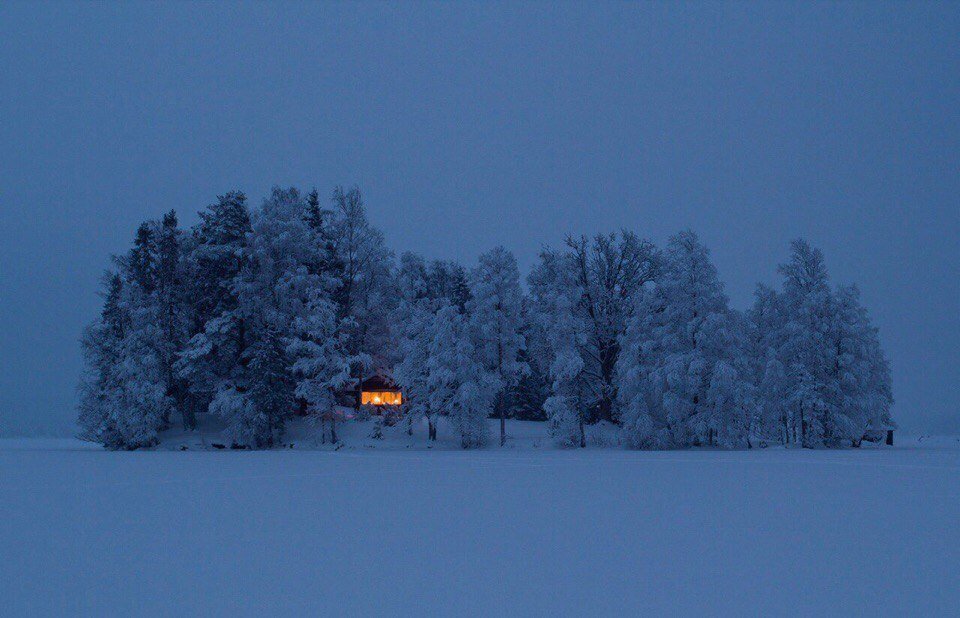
(608, 366)
(359, 400)
(501, 404)
(188, 414)
(501, 412)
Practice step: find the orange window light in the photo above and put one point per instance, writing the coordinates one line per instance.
(381, 398)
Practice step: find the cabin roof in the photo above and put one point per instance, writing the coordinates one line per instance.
(378, 383)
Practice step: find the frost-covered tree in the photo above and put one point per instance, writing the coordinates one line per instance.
(123, 401)
(321, 365)
(414, 334)
(764, 328)
(560, 336)
(457, 382)
(566, 407)
(174, 319)
(129, 390)
(322, 232)
(246, 354)
(364, 291)
(805, 343)
(424, 289)
(259, 394)
(683, 373)
(295, 349)
(411, 332)
(527, 396)
(102, 347)
(533, 388)
(495, 318)
(862, 374)
(215, 256)
(448, 280)
(821, 374)
(603, 278)
(412, 278)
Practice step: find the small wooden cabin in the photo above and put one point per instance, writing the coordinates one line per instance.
(380, 392)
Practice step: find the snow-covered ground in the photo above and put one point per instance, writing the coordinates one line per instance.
(388, 527)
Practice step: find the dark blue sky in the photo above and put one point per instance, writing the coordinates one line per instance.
(468, 126)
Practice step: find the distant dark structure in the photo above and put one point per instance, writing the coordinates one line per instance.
(881, 433)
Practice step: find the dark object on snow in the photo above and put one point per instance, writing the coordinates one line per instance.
(218, 446)
(240, 447)
(883, 434)
(184, 447)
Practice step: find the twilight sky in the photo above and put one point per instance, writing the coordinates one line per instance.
(468, 126)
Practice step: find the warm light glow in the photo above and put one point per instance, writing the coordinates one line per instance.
(381, 398)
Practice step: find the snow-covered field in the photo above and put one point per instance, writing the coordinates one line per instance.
(522, 530)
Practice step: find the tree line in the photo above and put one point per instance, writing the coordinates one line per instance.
(256, 315)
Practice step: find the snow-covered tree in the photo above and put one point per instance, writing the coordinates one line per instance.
(821, 373)
(214, 256)
(604, 277)
(141, 263)
(565, 407)
(423, 289)
(533, 388)
(217, 254)
(457, 382)
(527, 396)
(448, 280)
(321, 364)
(364, 292)
(861, 371)
(560, 334)
(123, 400)
(683, 373)
(172, 306)
(248, 353)
(259, 394)
(764, 328)
(102, 347)
(495, 318)
(414, 334)
(805, 342)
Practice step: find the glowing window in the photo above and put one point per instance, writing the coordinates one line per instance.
(381, 398)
